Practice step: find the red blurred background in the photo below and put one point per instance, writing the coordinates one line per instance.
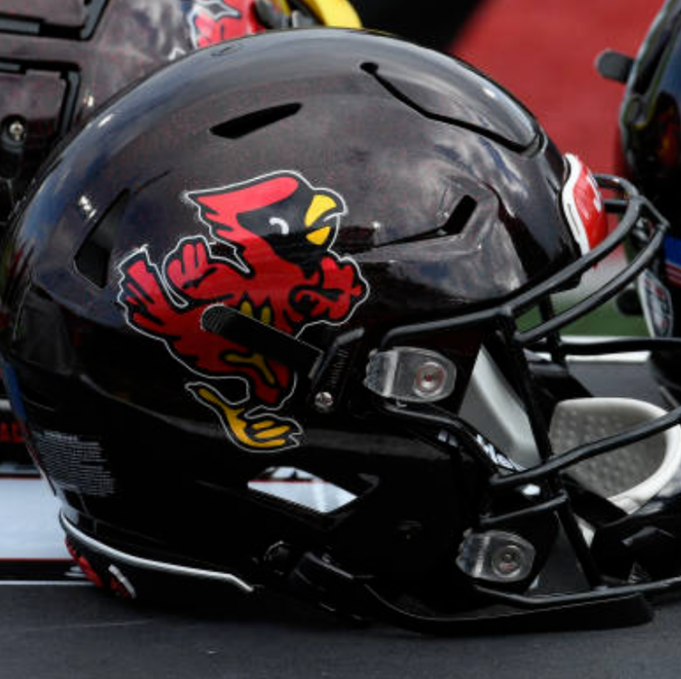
(544, 52)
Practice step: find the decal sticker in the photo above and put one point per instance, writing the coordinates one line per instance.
(583, 205)
(84, 565)
(269, 256)
(657, 305)
(214, 21)
(496, 457)
(74, 461)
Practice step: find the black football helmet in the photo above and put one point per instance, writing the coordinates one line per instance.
(264, 320)
(60, 61)
(650, 155)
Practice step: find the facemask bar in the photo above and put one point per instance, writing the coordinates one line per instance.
(634, 209)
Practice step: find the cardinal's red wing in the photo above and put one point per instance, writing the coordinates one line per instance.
(143, 295)
(196, 275)
(329, 295)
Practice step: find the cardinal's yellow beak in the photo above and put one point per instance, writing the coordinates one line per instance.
(322, 206)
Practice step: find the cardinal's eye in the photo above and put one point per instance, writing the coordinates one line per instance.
(281, 224)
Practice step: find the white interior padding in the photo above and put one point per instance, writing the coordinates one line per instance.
(628, 476)
(302, 488)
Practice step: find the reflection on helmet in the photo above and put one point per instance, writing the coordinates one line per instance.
(60, 61)
(284, 281)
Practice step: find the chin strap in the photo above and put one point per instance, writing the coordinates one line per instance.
(276, 345)
(622, 610)
(357, 598)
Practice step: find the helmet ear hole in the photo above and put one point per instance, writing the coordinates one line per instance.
(293, 485)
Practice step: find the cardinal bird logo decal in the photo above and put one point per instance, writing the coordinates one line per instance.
(278, 268)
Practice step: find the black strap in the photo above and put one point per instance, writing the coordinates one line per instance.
(264, 339)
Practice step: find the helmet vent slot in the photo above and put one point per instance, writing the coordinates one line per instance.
(455, 224)
(461, 119)
(93, 257)
(460, 216)
(252, 122)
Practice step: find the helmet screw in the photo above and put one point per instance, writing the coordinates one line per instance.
(278, 557)
(430, 379)
(323, 402)
(16, 130)
(409, 531)
(508, 560)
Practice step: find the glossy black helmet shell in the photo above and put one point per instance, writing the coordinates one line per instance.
(233, 257)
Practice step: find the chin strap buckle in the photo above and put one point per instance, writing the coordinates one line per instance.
(319, 579)
(331, 587)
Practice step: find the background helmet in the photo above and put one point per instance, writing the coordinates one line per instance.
(282, 279)
(650, 154)
(60, 61)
